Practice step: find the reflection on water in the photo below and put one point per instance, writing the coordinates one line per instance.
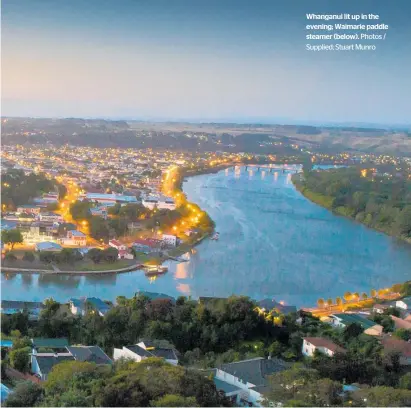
(105, 278)
(27, 280)
(273, 243)
(181, 271)
(68, 281)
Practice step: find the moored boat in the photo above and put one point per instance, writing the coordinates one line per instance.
(154, 269)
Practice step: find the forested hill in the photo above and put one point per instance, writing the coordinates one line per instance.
(379, 201)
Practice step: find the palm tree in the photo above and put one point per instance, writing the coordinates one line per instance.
(338, 301)
(347, 296)
(320, 303)
(373, 293)
(356, 296)
(329, 302)
(381, 292)
(364, 296)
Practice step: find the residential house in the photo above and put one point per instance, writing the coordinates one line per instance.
(74, 238)
(404, 304)
(154, 296)
(91, 354)
(394, 345)
(77, 306)
(81, 305)
(145, 245)
(42, 363)
(376, 330)
(4, 392)
(401, 323)
(379, 308)
(245, 382)
(344, 319)
(48, 343)
(321, 345)
(125, 254)
(117, 244)
(10, 307)
(146, 349)
(48, 246)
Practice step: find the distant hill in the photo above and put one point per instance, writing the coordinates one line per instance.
(256, 138)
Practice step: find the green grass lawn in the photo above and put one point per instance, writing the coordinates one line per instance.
(87, 265)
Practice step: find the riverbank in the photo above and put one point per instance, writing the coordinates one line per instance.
(327, 202)
(63, 272)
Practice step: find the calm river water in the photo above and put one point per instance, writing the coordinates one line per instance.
(273, 243)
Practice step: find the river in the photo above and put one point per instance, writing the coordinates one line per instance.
(273, 243)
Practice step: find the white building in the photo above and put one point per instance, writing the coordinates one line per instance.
(320, 344)
(404, 304)
(170, 240)
(117, 244)
(245, 381)
(50, 217)
(145, 349)
(74, 238)
(160, 202)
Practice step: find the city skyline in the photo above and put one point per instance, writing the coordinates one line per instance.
(208, 61)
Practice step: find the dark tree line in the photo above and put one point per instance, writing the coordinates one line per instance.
(380, 202)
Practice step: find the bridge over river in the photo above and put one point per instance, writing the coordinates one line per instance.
(289, 168)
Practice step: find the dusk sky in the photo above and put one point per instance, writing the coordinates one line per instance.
(199, 60)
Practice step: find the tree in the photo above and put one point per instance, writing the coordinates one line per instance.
(276, 349)
(352, 331)
(19, 358)
(403, 334)
(356, 296)
(80, 210)
(25, 394)
(291, 384)
(382, 397)
(364, 296)
(29, 257)
(338, 301)
(95, 254)
(68, 256)
(403, 221)
(47, 256)
(10, 257)
(110, 254)
(373, 293)
(329, 302)
(347, 296)
(405, 381)
(99, 228)
(172, 400)
(12, 237)
(320, 303)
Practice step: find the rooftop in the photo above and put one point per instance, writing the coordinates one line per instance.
(348, 318)
(323, 342)
(49, 343)
(392, 344)
(255, 370)
(92, 354)
(47, 361)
